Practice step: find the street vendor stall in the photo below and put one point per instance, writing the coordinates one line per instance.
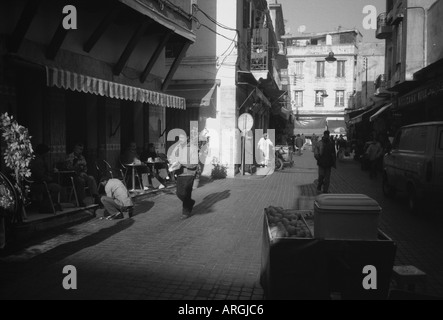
(297, 264)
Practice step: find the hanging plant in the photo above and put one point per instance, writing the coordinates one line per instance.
(17, 155)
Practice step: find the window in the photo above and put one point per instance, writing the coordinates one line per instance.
(397, 139)
(298, 98)
(341, 69)
(413, 139)
(299, 68)
(340, 98)
(320, 69)
(319, 98)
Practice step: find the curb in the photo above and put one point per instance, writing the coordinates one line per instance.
(29, 230)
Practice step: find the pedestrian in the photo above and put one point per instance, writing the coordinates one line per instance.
(179, 158)
(373, 154)
(314, 142)
(77, 162)
(299, 144)
(325, 155)
(117, 199)
(151, 156)
(292, 145)
(266, 150)
(304, 140)
(341, 146)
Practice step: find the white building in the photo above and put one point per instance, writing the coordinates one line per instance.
(320, 88)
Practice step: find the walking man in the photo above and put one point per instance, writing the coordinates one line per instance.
(299, 144)
(266, 148)
(117, 199)
(179, 157)
(325, 155)
(373, 153)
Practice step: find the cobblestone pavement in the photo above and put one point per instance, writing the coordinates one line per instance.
(215, 254)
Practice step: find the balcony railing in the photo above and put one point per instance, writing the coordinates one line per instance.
(384, 30)
(260, 54)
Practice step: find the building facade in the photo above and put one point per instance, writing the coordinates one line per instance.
(231, 69)
(414, 51)
(94, 73)
(320, 88)
(371, 94)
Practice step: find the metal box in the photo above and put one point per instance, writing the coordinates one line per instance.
(346, 217)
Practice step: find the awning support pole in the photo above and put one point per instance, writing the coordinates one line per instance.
(247, 98)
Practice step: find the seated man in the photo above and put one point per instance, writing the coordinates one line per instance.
(117, 199)
(130, 155)
(40, 175)
(77, 162)
(149, 156)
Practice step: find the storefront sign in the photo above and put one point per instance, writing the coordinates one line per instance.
(421, 94)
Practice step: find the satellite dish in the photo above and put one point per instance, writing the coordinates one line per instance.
(301, 29)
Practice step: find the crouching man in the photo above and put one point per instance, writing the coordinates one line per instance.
(117, 199)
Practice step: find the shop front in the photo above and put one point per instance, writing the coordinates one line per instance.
(422, 104)
(103, 84)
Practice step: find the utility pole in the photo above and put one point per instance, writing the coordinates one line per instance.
(366, 64)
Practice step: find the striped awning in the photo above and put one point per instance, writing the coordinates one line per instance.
(379, 112)
(77, 82)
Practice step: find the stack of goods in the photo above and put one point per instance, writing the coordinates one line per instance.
(290, 223)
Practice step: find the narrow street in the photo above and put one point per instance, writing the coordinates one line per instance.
(215, 254)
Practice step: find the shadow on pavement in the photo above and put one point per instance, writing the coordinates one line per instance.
(210, 200)
(70, 248)
(307, 194)
(204, 181)
(142, 207)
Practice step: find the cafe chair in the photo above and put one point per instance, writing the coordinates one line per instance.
(38, 194)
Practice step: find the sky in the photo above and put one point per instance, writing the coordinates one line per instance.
(328, 15)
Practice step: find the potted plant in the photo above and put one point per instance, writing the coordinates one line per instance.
(18, 154)
(8, 205)
(219, 171)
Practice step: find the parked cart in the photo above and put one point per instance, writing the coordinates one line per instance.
(298, 265)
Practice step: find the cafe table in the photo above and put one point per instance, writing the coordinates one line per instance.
(134, 167)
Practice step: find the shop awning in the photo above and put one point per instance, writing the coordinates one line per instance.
(359, 118)
(199, 95)
(285, 113)
(261, 74)
(310, 126)
(77, 82)
(146, 8)
(337, 126)
(262, 97)
(379, 112)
